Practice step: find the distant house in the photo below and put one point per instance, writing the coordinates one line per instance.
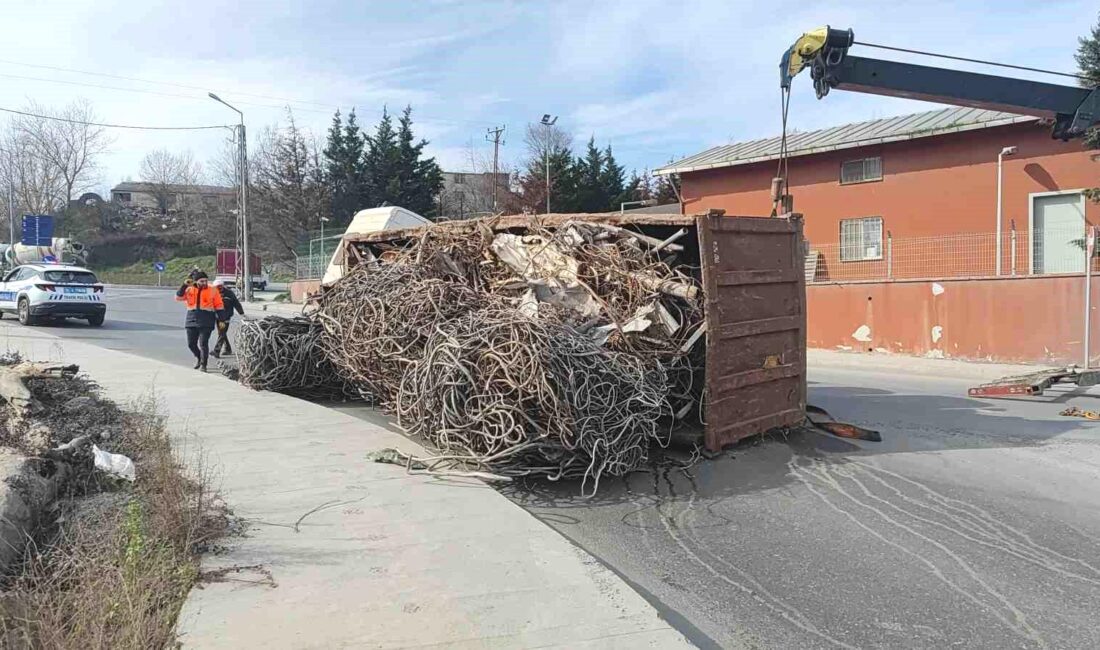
(169, 197)
(469, 194)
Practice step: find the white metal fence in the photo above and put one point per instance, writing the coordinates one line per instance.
(970, 255)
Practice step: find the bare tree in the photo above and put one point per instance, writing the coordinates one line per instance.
(166, 171)
(37, 184)
(287, 189)
(66, 141)
(223, 167)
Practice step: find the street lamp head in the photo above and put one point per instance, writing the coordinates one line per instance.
(546, 118)
(1008, 151)
(214, 97)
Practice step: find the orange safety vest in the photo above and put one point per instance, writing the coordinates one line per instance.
(208, 299)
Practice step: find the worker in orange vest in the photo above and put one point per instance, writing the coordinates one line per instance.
(203, 304)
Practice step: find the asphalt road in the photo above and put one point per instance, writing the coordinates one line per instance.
(975, 523)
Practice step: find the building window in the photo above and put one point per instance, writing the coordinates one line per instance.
(861, 171)
(861, 239)
(123, 197)
(460, 179)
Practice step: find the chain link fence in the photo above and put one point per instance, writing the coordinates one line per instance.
(971, 255)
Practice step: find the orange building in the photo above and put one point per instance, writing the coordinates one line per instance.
(923, 185)
(901, 225)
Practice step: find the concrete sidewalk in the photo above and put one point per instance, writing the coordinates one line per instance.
(350, 553)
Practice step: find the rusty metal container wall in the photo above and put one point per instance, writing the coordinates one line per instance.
(755, 288)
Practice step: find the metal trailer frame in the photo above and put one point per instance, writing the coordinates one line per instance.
(754, 297)
(1035, 383)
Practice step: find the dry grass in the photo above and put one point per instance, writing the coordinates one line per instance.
(116, 567)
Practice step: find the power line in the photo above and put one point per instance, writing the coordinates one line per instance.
(153, 81)
(144, 92)
(422, 118)
(968, 60)
(115, 126)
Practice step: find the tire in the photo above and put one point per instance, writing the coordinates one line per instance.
(24, 309)
(97, 320)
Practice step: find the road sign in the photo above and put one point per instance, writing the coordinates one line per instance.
(159, 267)
(37, 230)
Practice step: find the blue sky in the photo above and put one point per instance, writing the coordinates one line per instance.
(654, 79)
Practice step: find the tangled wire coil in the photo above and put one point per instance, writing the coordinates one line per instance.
(284, 355)
(374, 324)
(500, 392)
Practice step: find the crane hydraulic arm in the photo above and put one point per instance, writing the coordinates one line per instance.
(1072, 109)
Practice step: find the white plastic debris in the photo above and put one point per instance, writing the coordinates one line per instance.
(547, 270)
(114, 464)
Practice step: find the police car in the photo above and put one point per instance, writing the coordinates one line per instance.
(52, 291)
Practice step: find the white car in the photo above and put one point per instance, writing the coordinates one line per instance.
(48, 291)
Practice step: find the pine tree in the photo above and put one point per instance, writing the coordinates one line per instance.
(611, 182)
(380, 162)
(1088, 65)
(421, 180)
(355, 147)
(589, 171)
(335, 154)
(343, 168)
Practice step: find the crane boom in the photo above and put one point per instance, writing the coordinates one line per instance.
(1072, 109)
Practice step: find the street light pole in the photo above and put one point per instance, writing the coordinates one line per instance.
(11, 213)
(548, 122)
(1007, 151)
(242, 200)
(323, 262)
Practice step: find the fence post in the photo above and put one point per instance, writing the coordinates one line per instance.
(1012, 225)
(889, 255)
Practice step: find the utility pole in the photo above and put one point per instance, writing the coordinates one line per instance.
(243, 260)
(496, 134)
(548, 123)
(11, 215)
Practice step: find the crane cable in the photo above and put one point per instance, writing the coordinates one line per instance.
(978, 61)
(781, 172)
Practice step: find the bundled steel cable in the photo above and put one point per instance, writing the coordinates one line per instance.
(374, 322)
(500, 392)
(284, 355)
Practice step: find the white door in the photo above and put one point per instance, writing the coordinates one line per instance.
(7, 289)
(1058, 233)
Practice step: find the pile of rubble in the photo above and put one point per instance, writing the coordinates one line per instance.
(560, 352)
(51, 423)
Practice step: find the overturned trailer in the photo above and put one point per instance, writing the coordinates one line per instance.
(752, 277)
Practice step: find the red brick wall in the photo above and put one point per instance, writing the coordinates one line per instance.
(931, 186)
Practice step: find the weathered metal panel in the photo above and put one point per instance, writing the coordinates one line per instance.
(755, 291)
(847, 136)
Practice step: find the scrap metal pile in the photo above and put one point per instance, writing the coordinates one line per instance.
(283, 355)
(559, 352)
